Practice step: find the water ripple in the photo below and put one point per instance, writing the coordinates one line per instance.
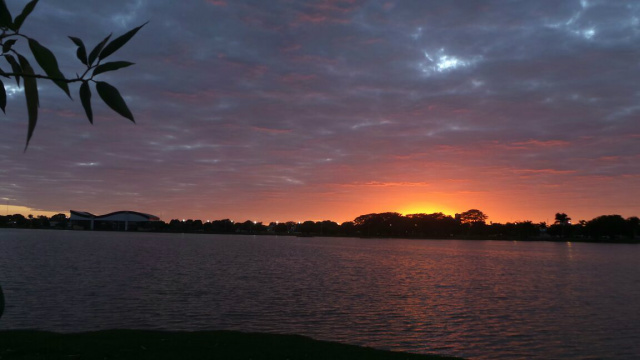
(480, 300)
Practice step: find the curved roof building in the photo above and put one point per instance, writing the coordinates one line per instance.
(116, 218)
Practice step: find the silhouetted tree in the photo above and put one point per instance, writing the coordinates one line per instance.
(562, 219)
(561, 226)
(291, 226)
(244, 227)
(250, 227)
(389, 224)
(435, 225)
(259, 227)
(348, 228)
(176, 225)
(220, 227)
(327, 228)
(634, 226)
(41, 222)
(59, 221)
(280, 228)
(473, 216)
(197, 226)
(307, 227)
(522, 230)
(609, 227)
(18, 220)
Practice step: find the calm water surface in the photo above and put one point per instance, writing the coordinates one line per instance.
(474, 299)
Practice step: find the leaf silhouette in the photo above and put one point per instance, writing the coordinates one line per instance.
(81, 53)
(111, 66)
(119, 42)
(3, 97)
(25, 12)
(6, 46)
(31, 93)
(85, 98)
(15, 67)
(111, 96)
(5, 16)
(49, 64)
(96, 50)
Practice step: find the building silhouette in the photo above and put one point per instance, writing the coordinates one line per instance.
(119, 220)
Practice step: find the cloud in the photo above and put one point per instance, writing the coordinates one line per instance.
(232, 98)
(217, 2)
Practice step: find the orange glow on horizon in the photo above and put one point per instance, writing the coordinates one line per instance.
(426, 209)
(500, 202)
(26, 211)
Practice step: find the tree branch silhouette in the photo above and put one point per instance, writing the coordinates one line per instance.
(22, 70)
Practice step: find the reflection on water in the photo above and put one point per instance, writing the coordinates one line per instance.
(475, 299)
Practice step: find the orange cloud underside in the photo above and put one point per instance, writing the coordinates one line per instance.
(504, 194)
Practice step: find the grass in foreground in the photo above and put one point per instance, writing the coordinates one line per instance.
(141, 344)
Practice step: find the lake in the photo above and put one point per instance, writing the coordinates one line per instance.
(473, 299)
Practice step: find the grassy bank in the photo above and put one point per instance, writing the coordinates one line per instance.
(140, 344)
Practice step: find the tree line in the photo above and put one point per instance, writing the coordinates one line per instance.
(471, 224)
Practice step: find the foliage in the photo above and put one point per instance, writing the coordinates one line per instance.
(610, 226)
(606, 228)
(94, 62)
(562, 219)
(473, 216)
(384, 224)
(562, 226)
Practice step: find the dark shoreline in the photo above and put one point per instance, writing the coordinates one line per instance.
(148, 344)
(634, 241)
(469, 225)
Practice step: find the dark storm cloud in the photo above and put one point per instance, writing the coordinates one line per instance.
(238, 99)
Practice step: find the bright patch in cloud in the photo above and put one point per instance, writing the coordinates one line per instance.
(12, 90)
(418, 34)
(370, 123)
(87, 164)
(449, 62)
(586, 33)
(442, 62)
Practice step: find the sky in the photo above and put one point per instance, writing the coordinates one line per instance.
(287, 110)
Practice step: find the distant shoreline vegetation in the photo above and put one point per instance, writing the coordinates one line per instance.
(470, 224)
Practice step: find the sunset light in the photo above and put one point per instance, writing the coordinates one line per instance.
(374, 179)
(389, 108)
(427, 209)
